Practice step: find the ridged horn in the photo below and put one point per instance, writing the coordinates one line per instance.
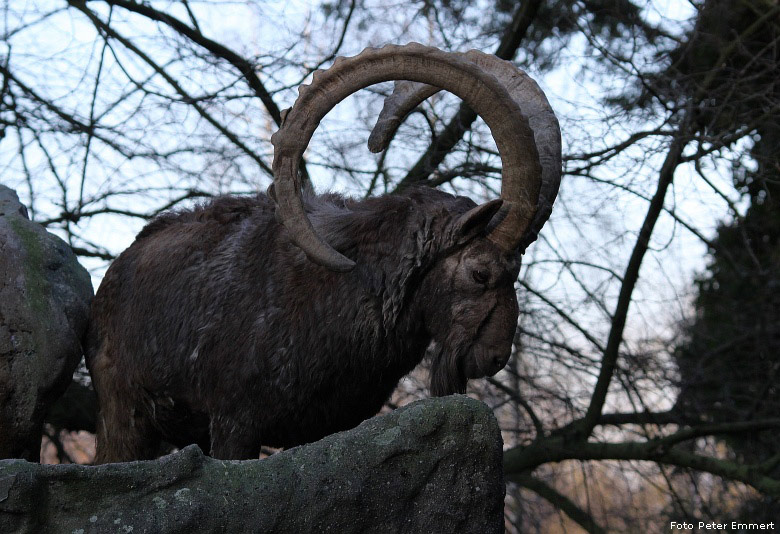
(530, 98)
(455, 73)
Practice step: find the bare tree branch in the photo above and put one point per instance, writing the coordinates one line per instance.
(460, 124)
(560, 501)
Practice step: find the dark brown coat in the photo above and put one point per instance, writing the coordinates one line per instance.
(212, 328)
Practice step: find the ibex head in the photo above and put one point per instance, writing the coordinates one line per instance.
(472, 308)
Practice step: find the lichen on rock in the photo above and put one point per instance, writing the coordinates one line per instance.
(441, 473)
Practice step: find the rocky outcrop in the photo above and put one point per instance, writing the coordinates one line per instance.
(433, 466)
(44, 307)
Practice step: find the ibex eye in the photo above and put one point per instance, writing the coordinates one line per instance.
(480, 277)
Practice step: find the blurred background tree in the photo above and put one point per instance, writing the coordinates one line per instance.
(730, 361)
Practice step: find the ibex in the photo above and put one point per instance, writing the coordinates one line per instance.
(279, 319)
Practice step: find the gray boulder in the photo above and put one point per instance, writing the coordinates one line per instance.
(434, 466)
(44, 308)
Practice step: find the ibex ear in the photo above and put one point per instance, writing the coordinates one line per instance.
(475, 221)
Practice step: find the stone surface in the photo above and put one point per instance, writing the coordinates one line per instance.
(44, 307)
(433, 466)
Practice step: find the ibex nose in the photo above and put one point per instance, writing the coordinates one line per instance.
(497, 362)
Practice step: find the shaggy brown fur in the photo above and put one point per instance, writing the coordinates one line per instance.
(213, 328)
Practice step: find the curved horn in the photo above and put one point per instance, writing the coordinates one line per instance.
(534, 105)
(452, 72)
(405, 97)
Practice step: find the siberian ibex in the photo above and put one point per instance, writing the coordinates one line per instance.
(279, 319)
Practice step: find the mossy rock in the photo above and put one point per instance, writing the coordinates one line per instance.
(44, 307)
(434, 466)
